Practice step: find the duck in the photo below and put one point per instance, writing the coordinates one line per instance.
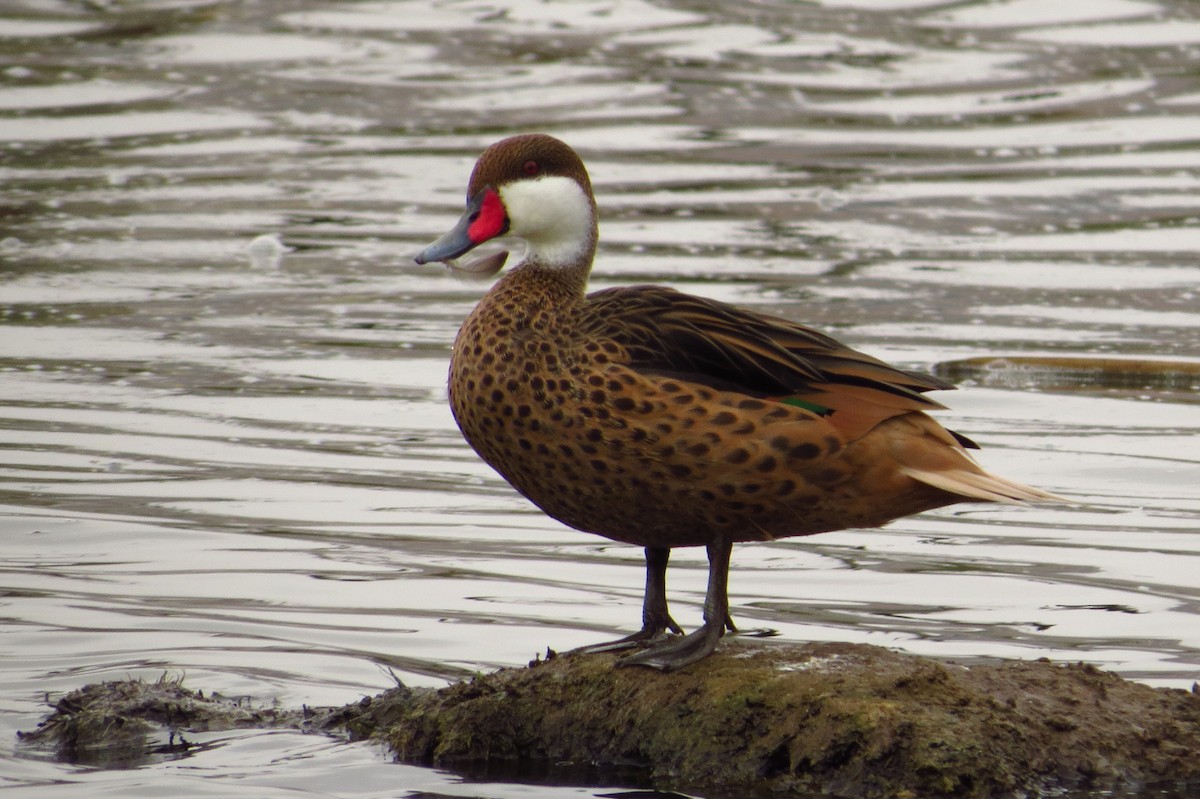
(661, 419)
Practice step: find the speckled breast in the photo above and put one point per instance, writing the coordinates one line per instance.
(646, 459)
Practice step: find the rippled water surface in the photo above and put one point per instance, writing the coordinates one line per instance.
(234, 461)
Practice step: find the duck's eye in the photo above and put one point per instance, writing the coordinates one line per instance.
(530, 168)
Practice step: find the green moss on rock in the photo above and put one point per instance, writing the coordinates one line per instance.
(854, 720)
(755, 719)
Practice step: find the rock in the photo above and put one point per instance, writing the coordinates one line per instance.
(765, 718)
(118, 724)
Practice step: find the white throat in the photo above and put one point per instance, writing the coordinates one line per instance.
(554, 217)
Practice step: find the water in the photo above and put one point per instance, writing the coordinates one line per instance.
(230, 458)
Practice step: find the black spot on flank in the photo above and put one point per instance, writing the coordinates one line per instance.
(737, 456)
(805, 451)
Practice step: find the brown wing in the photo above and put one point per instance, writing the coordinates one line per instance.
(671, 334)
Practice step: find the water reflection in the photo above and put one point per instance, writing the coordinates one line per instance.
(248, 474)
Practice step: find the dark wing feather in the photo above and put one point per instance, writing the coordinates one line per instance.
(668, 333)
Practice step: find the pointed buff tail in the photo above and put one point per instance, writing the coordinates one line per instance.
(980, 485)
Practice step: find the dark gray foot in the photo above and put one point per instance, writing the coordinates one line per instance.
(675, 653)
(657, 624)
(651, 633)
(757, 632)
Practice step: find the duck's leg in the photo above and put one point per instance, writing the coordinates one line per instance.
(679, 652)
(656, 619)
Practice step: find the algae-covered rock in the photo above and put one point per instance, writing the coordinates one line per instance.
(122, 723)
(755, 719)
(829, 718)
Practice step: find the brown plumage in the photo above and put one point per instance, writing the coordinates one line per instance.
(664, 420)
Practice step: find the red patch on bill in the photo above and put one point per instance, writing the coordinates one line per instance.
(492, 219)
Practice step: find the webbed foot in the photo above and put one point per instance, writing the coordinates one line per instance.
(653, 631)
(677, 652)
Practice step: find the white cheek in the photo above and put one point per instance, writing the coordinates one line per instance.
(554, 217)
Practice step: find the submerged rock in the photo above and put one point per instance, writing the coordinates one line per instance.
(757, 718)
(127, 723)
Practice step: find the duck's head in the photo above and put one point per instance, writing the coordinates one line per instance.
(531, 188)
